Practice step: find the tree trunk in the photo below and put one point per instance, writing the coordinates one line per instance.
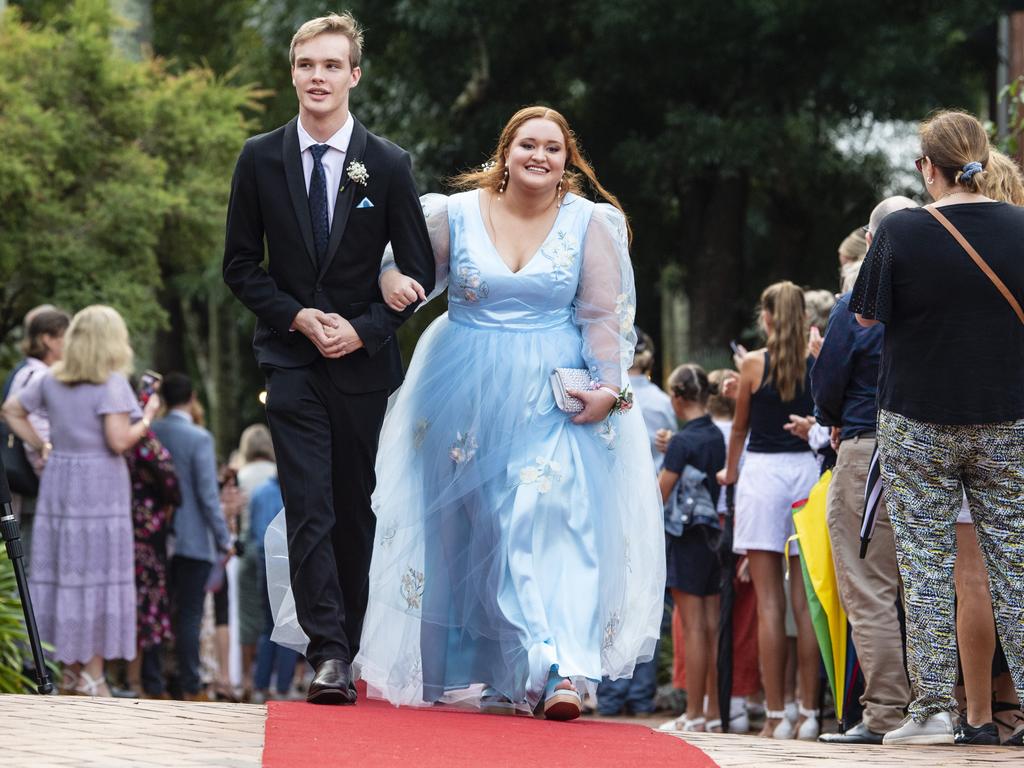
(675, 323)
(135, 38)
(1016, 67)
(226, 378)
(714, 282)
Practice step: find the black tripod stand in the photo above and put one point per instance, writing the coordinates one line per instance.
(12, 538)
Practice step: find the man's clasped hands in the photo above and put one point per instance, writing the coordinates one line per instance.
(331, 333)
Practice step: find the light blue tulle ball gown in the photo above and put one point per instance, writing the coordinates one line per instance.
(510, 540)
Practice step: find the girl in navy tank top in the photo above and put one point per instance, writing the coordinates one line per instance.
(778, 470)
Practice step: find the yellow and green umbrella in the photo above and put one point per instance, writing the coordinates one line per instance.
(819, 576)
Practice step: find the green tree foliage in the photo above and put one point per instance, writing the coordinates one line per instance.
(81, 200)
(13, 636)
(114, 180)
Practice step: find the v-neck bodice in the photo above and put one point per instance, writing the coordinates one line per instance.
(494, 246)
(484, 292)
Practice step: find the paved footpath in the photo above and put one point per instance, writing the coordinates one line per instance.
(38, 732)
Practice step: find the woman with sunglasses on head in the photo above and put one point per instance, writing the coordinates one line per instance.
(947, 281)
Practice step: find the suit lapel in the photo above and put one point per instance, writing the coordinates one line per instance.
(297, 186)
(347, 189)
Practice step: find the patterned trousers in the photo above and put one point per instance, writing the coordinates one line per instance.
(923, 467)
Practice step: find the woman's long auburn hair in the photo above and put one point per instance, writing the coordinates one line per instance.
(787, 340)
(491, 174)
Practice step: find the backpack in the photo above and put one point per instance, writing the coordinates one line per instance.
(20, 475)
(690, 503)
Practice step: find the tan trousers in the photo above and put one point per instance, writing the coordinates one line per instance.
(868, 588)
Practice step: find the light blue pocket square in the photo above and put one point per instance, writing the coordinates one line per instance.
(365, 203)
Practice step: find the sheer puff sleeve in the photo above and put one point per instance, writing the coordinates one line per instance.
(605, 303)
(872, 294)
(435, 211)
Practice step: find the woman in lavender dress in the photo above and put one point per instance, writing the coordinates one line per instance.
(83, 581)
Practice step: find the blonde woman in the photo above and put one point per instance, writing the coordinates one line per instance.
(82, 579)
(778, 469)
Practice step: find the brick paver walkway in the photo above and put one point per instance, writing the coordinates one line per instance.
(731, 751)
(39, 732)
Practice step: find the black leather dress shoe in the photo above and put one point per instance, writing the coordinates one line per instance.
(332, 684)
(858, 734)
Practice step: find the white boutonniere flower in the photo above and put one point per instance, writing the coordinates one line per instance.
(357, 172)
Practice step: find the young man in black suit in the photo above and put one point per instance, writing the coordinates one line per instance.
(326, 196)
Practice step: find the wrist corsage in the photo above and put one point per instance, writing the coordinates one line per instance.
(623, 398)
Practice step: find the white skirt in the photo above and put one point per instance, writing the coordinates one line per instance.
(769, 485)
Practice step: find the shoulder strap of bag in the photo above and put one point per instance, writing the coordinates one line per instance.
(976, 257)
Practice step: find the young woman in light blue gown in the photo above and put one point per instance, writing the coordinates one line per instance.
(519, 553)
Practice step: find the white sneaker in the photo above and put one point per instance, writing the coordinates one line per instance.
(937, 729)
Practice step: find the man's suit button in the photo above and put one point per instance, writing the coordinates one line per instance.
(319, 288)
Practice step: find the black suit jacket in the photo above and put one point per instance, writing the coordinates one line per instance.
(269, 203)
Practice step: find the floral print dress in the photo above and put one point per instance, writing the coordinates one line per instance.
(155, 496)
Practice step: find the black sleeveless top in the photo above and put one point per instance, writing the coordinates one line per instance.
(768, 414)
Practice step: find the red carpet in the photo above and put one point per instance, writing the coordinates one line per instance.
(374, 733)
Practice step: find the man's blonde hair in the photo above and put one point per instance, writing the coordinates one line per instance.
(333, 23)
(95, 346)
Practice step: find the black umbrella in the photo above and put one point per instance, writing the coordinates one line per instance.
(872, 497)
(728, 560)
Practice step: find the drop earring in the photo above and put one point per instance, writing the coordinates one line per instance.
(560, 194)
(504, 183)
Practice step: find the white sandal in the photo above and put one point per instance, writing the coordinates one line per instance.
(809, 729)
(786, 729)
(90, 686)
(697, 725)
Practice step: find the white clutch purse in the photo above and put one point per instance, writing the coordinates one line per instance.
(565, 379)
